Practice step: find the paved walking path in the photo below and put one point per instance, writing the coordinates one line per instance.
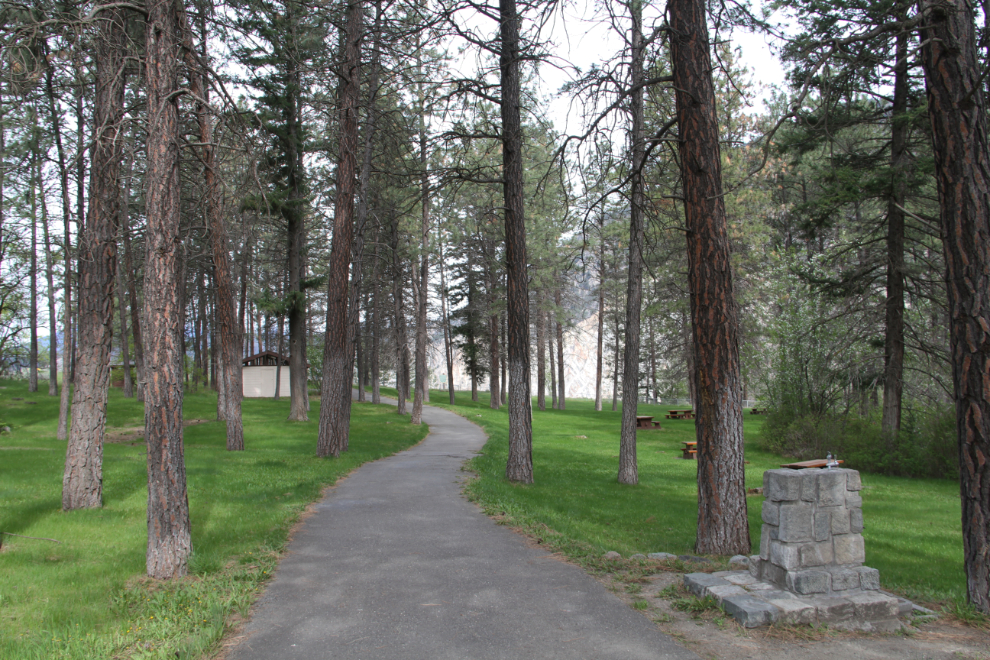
(395, 564)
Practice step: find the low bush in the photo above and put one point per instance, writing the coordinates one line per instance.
(925, 446)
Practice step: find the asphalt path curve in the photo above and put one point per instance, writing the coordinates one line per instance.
(396, 564)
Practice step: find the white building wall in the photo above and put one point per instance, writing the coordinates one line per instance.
(259, 382)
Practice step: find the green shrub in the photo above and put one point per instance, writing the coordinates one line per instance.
(925, 446)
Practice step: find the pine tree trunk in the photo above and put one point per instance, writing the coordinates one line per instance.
(692, 374)
(33, 275)
(553, 363)
(354, 307)
(204, 329)
(82, 482)
(337, 378)
(169, 540)
(229, 383)
(957, 111)
(294, 213)
(615, 368)
(125, 354)
(893, 382)
(197, 364)
(63, 171)
(628, 468)
(448, 348)
(80, 212)
(376, 322)
(363, 190)
(561, 402)
(242, 306)
(401, 340)
(600, 354)
(50, 282)
(424, 261)
(519, 466)
(653, 364)
(132, 279)
(281, 347)
(723, 526)
(541, 354)
(361, 357)
(493, 389)
(504, 380)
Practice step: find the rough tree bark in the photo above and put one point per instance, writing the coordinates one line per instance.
(628, 469)
(335, 410)
(82, 482)
(519, 466)
(723, 527)
(893, 381)
(957, 111)
(169, 539)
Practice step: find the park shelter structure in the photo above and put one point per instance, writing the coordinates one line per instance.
(259, 372)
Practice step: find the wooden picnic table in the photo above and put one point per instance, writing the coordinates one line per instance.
(680, 414)
(690, 449)
(646, 422)
(758, 411)
(815, 463)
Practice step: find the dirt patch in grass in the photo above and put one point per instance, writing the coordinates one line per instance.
(129, 434)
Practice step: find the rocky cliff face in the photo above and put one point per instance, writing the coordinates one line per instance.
(580, 346)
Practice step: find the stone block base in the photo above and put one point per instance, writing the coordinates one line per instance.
(754, 603)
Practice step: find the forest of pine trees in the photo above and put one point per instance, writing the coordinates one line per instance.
(369, 188)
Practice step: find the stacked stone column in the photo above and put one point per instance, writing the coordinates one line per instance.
(811, 542)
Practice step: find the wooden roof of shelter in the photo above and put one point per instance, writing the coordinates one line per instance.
(265, 359)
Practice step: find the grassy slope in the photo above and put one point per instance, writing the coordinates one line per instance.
(912, 526)
(84, 598)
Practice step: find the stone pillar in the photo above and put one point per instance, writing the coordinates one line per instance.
(811, 542)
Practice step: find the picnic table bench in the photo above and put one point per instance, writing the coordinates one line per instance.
(690, 449)
(758, 411)
(815, 463)
(680, 414)
(646, 422)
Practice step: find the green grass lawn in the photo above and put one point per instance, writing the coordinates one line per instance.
(85, 597)
(912, 526)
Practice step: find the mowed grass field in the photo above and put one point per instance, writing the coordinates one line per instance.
(912, 526)
(85, 597)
